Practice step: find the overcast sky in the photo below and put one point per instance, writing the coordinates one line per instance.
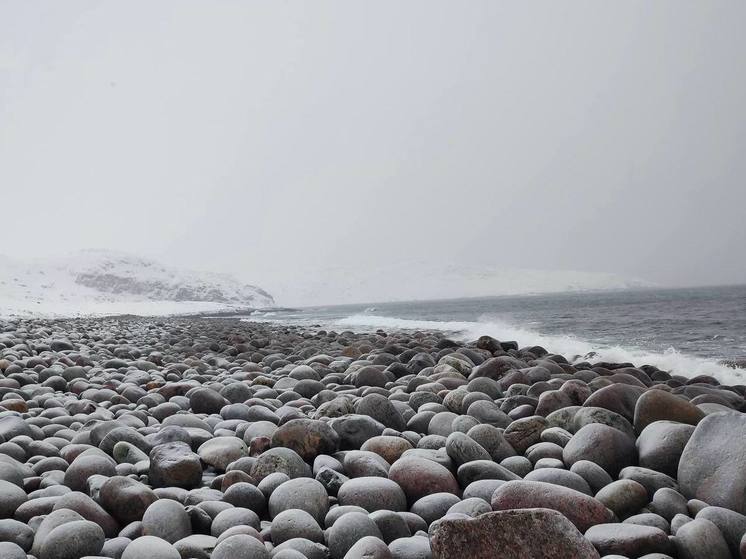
(272, 138)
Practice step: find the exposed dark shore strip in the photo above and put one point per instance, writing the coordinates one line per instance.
(221, 439)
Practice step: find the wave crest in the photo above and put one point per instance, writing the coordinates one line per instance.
(572, 348)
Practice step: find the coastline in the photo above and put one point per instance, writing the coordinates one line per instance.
(307, 437)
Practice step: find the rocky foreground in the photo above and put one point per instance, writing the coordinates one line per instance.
(197, 438)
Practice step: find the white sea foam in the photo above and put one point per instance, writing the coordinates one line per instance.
(571, 347)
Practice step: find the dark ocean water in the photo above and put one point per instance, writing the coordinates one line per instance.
(688, 331)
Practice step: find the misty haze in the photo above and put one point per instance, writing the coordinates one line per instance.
(351, 280)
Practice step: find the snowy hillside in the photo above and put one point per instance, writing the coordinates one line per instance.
(420, 281)
(105, 282)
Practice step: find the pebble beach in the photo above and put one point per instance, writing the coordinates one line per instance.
(217, 438)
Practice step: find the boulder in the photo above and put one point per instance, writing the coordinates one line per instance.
(628, 540)
(510, 534)
(174, 465)
(307, 437)
(582, 510)
(419, 477)
(713, 464)
(659, 405)
(606, 446)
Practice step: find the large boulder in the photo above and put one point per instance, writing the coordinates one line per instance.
(713, 464)
(510, 534)
(582, 510)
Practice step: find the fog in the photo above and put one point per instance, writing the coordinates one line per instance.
(276, 139)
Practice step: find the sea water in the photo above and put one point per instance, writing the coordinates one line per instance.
(685, 331)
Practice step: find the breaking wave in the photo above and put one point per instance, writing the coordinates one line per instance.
(574, 349)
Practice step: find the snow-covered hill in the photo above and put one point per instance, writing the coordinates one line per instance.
(95, 282)
(420, 281)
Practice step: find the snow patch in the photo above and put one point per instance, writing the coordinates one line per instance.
(96, 282)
